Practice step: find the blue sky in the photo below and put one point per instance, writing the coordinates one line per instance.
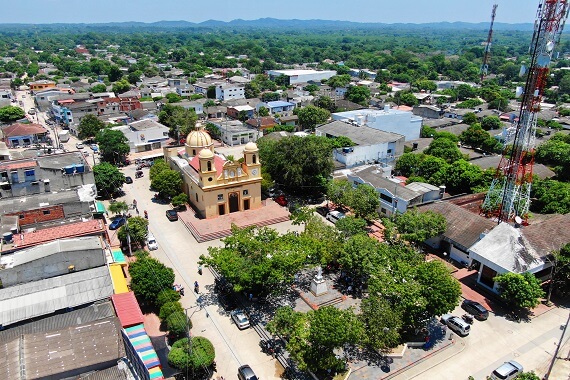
(393, 11)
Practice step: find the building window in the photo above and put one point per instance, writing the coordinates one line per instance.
(14, 177)
(210, 179)
(246, 192)
(193, 152)
(47, 212)
(386, 198)
(30, 175)
(254, 159)
(196, 197)
(389, 151)
(209, 165)
(220, 197)
(21, 216)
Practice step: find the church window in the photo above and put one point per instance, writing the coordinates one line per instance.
(254, 159)
(209, 164)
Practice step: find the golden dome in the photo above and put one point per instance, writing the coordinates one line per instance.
(205, 153)
(199, 139)
(250, 147)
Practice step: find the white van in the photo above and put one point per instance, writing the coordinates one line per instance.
(151, 242)
(456, 324)
(335, 216)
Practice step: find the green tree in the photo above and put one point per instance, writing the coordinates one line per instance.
(177, 324)
(550, 196)
(121, 86)
(339, 191)
(470, 118)
(113, 145)
(300, 164)
(263, 111)
(168, 183)
(149, 277)
(361, 256)
(157, 167)
(270, 96)
(115, 73)
(382, 323)
(527, 376)
(179, 200)
(257, 260)
(339, 80)
(286, 322)
(168, 308)
(178, 119)
(444, 148)
(136, 228)
(311, 116)
(408, 164)
(193, 357)
(108, 178)
(89, 126)
(11, 113)
(167, 296)
(491, 122)
(173, 97)
(118, 207)
(211, 92)
(98, 88)
(351, 226)
(325, 102)
(358, 94)
(560, 281)
(408, 99)
(417, 227)
(521, 291)
(474, 136)
(439, 288)
(342, 142)
(365, 202)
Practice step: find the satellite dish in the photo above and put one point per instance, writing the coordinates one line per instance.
(518, 220)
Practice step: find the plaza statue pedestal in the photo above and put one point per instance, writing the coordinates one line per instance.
(319, 286)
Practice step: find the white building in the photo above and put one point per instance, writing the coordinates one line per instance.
(302, 76)
(230, 91)
(234, 132)
(372, 145)
(402, 122)
(5, 98)
(145, 135)
(394, 196)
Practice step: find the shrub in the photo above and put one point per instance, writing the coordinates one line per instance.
(177, 324)
(201, 355)
(166, 296)
(169, 308)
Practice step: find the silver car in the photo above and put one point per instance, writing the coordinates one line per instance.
(507, 371)
(240, 319)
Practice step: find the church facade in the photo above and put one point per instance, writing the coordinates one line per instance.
(216, 186)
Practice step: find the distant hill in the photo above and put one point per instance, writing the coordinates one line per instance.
(279, 24)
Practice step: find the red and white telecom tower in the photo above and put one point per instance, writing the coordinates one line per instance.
(509, 195)
(487, 55)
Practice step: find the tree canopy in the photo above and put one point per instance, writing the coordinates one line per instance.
(89, 126)
(178, 119)
(113, 145)
(149, 277)
(194, 357)
(108, 178)
(137, 229)
(167, 182)
(11, 113)
(520, 290)
(311, 116)
(417, 227)
(299, 164)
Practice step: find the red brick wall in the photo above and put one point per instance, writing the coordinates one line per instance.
(38, 216)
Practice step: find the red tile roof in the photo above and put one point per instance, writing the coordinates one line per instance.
(218, 163)
(264, 122)
(90, 227)
(127, 309)
(22, 164)
(20, 129)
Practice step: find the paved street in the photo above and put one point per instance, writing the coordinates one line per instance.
(179, 250)
(493, 342)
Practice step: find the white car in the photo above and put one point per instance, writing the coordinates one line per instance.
(507, 371)
(79, 145)
(240, 319)
(335, 216)
(151, 243)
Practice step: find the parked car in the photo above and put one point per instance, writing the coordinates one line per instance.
(322, 210)
(94, 148)
(32, 111)
(79, 145)
(128, 179)
(476, 309)
(172, 215)
(507, 371)
(117, 223)
(246, 373)
(281, 200)
(240, 319)
(335, 216)
(456, 324)
(151, 242)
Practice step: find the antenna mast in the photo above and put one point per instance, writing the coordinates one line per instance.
(509, 194)
(487, 55)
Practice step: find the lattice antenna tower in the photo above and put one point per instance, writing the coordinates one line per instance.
(509, 194)
(487, 54)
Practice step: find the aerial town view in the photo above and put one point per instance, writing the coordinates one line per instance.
(308, 190)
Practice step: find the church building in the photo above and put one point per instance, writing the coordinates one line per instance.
(214, 185)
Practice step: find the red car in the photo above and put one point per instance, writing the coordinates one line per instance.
(281, 200)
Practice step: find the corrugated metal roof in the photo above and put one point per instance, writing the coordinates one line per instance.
(75, 317)
(127, 309)
(25, 301)
(113, 373)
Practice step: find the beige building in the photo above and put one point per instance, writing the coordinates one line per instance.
(216, 186)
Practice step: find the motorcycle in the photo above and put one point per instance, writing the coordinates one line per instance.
(139, 174)
(467, 318)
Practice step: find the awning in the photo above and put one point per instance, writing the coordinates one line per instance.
(119, 257)
(99, 207)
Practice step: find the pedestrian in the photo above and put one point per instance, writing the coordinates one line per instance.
(145, 214)
(134, 203)
(250, 297)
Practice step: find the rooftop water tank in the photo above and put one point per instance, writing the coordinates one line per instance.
(70, 169)
(80, 168)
